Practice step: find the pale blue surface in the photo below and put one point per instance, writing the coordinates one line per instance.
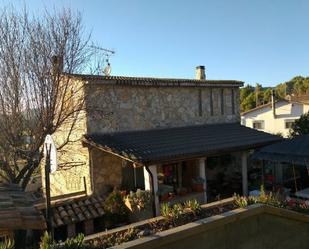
(251, 40)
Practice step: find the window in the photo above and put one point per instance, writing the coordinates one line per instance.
(289, 123)
(258, 125)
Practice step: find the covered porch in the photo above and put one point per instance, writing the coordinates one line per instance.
(285, 167)
(178, 163)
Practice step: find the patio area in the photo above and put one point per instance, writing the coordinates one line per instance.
(285, 167)
(177, 163)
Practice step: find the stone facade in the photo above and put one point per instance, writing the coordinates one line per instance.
(138, 108)
(112, 107)
(73, 174)
(106, 171)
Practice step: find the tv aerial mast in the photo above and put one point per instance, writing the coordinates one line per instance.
(99, 53)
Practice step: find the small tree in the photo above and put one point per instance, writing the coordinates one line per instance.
(300, 126)
(36, 97)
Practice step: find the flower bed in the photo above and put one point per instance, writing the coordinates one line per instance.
(181, 214)
(174, 216)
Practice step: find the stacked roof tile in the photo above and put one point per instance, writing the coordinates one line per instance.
(77, 210)
(163, 82)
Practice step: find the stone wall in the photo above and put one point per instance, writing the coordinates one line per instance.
(120, 108)
(73, 158)
(107, 171)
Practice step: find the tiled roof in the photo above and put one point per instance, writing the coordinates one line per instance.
(77, 210)
(163, 145)
(148, 81)
(17, 209)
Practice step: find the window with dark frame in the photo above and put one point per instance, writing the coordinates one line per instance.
(259, 125)
(288, 124)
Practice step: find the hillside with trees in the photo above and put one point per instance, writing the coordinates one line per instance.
(253, 96)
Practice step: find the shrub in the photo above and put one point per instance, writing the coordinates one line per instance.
(139, 200)
(165, 210)
(7, 244)
(115, 209)
(172, 213)
(240, 201)
(263, 198)
(193, 205)
(177, 211)
(75, 243)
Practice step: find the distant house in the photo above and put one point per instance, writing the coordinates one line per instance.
(275, 117)
(179, 138)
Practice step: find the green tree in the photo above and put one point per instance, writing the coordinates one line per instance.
(36, 97)
(248, 103)
(267, 95)
(300, 126)
(247, 98)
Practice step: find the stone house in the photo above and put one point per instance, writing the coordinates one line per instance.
(155, 133)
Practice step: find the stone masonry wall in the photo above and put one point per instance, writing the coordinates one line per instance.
(107, 171)
(122, 108)
(73, 158)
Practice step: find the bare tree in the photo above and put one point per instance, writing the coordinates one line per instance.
(36, 98)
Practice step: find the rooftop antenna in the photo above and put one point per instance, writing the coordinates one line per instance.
(102, 52)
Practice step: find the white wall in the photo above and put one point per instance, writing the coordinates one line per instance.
(284, 111)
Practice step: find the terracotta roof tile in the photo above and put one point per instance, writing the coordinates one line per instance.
(77, 210)
(151, 81)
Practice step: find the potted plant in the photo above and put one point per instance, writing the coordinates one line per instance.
(198, 184)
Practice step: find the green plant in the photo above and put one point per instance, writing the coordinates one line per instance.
(114, 204)
(46, 241)
(177, 211)
(165, 210)
(193, 205)
(74, 243)
(240, 201)
(172, 213)
(139, 200)
(7, 244)
(115, 209)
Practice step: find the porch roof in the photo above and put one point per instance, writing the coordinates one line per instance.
(172, 144)
(294, 151)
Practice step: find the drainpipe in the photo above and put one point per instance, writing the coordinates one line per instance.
(153, 192)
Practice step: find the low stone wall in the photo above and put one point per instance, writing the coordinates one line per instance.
(254, 227)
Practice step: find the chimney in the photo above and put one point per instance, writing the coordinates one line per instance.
(200, 73)
(57, 64)
(273, 104)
